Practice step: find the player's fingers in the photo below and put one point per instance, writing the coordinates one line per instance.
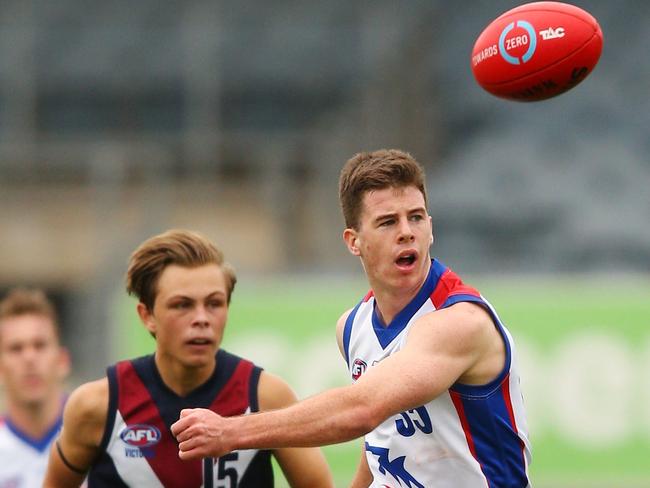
(189, 455)
(193, 448)
(188, 444)
(178, 427)
(187, 411)
(182, 425)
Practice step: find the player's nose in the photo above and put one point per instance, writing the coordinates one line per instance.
(201, 316)
(406, 233)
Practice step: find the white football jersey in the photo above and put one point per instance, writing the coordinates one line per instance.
(23, 460)
(469, 436)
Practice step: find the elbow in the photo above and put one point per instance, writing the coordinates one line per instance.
(359, 412)
(368, 417)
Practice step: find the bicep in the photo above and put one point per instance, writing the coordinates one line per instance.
(84, 419)
(439, 349)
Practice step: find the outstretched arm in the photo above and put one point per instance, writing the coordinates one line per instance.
(442, 346)
(84, 419)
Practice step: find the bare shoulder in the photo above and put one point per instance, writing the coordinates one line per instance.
(471, 317)
(466, 321)
(340, 323)
(340, 327)
(273, 392)
(87, 407)
(465, 336)
(84, 420)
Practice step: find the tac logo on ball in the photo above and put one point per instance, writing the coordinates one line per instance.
(509, 42)
(536, 51)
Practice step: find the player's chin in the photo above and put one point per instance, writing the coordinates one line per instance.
(200, 359)
(34, 398)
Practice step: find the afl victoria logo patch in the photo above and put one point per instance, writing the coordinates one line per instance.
(140, 435)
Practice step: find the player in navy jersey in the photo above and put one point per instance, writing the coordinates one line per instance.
(436, 387)
(116, 430)
(33, 366)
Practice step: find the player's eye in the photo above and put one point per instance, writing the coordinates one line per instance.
(216, 303)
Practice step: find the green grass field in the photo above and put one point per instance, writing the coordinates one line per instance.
(584, 345)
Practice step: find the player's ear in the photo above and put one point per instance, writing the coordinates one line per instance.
(351, 239)
(64, 363)
(146, 317)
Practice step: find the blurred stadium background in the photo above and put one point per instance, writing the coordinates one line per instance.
(123, 119)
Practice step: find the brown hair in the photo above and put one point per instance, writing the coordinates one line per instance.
(377, 170)
(180, 247)
(28, 301)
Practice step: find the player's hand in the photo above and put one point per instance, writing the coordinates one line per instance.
(199, 433)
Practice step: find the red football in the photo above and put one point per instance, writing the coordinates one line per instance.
(536, 51)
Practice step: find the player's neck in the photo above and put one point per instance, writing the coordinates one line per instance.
(388, 305)
(182, 379)
(36, 419)
(392, 300)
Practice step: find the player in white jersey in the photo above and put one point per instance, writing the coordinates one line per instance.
(23, 459)
(436, 389)
(472, 435)
(33, 366)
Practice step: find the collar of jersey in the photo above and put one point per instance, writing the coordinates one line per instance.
(386, 334)
(40, 444)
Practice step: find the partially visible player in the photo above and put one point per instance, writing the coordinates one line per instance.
(117, 429)
(33, 367)
(436, 390)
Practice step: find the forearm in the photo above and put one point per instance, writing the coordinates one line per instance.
(334, 416)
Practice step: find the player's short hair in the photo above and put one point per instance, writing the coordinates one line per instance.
(176, 246)
(376, 170)
(28, 301)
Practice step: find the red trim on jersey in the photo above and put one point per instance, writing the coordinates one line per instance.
(449, 284)
(505, 391)
(233, 399)
(136, 405)
(368, 296)
(460, 410)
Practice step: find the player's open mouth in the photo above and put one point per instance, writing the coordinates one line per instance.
(199, 342)
(406, 259)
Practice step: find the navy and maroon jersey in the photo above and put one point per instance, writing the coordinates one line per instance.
(138, 448)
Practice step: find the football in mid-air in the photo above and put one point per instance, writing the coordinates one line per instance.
(536, 51)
